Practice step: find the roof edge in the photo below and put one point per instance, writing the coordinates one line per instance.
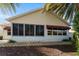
(25, 13)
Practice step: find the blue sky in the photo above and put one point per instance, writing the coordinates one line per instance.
(24, 7)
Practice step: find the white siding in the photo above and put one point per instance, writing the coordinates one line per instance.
(38, 38)
(1, 31)
(5, 35)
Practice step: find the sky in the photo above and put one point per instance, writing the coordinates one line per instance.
(23, 7)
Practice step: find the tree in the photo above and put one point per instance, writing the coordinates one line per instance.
(76, 22)
(68, 11)
(8, 7)
(64, 10)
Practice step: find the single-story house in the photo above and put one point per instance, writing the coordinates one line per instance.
(36, 26)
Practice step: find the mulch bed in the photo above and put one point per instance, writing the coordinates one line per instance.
(55, 50)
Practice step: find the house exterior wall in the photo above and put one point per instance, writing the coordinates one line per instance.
(1, 31)
(38, 39)
(6, 36)
(3, 34)
(38, 18)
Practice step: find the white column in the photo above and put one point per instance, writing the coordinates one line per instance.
(23, 29)
(67, 31)
(34, 30)
(11, 30)
(45, 30)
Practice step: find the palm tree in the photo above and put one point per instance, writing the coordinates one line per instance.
(69, 11)
(8, 7)
(64, 10)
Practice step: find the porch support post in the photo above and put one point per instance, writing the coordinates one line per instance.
(11, 29)
(23, 29)
(45, 30)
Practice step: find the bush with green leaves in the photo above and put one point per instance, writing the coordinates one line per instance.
(75, 39)
(12, 41)
(76, 34)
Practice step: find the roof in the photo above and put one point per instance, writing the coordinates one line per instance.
(41, 9)
(25, 13)
(5, 25)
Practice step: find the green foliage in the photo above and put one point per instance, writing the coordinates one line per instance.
(68, 11)
(76, 22)
(12, 41)
(75, 39)
(8, 7)
(64, 10)
(76, 28)
(67, 40)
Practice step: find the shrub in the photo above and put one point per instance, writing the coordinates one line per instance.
(12, 41)
(66, 40)
(76, 41)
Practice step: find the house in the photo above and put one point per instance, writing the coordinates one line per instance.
(3, 34)
(36, 26)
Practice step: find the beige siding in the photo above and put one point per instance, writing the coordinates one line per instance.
(39, 18)
(1, 31)
(5, 35)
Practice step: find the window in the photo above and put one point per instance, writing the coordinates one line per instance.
(60, 32)
(9, 32)
(26, 29)
(39, 30)
(29, 30)
(50, 32)
(20, 29)
(64, 33)
(54, 32)
(15, 29)
(1, 37)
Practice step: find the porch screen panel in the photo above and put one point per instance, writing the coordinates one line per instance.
(26, 29)
(21, 29)
(15, 29)
(29, 30)
(39, 30)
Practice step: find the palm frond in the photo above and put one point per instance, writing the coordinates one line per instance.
(8, 7)
(64, 10)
